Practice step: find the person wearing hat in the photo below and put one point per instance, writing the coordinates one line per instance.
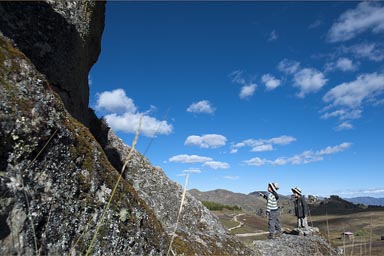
(301, 208)
(274, 226)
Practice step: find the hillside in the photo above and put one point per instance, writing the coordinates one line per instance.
(366, 200)
(251, 203)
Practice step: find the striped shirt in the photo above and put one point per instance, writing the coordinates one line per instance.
(271, 203)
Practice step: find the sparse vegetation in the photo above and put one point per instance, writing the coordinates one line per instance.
(212, 206)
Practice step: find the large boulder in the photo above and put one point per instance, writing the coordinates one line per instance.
(63, 41)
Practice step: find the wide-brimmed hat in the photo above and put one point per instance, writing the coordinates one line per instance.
(296, 190)
(274, 186)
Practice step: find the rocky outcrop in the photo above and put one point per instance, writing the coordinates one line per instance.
(289, 245)
(55, 180)
(63, 41)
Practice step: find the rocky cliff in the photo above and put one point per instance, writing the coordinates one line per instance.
(59, 163)
(63, 41)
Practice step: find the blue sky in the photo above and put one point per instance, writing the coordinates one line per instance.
(239, 94)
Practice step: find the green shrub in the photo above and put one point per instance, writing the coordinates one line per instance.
(212, 206)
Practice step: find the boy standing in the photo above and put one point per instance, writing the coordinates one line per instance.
(274, 226)
(301, 208)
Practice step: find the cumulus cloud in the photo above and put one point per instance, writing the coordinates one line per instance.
(122, 115)
(305, 157)
(247, 91)
(115, 101)
(129, 123)
(216, 165)
(183, 158)
(206, 141)
(309, 80)
(203, 106)
(367, 16)
(270, 82)
(260, 145)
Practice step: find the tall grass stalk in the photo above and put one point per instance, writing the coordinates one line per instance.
(344, 252)
(370, 237)
(329, 241)
(178, 215)
(106, 208)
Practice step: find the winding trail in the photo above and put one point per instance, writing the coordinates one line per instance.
(236, 220)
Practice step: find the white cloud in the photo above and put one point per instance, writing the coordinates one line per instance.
(183, 158)
(261, 148)
(192, 170)
(347, 100)
(129, 123)
(367, 16)
(315, 24)
(282, 140)
(89, 80)
(122, 115)
(308, 81)
(344, 126)
(352, 95)
(203, 106)
(256, 161)
(334, 149)
(345, 64)
(216, 165)
(231, 177)
(206, 141)
(363, 191)
(248, 87)
(238, 77)
(288, 66)
(365, 50)
(247, 91)
(115, 101)
(308, 156)
(270, 82)
(262, 144)
(273, 36)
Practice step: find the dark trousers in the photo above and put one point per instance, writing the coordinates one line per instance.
(274, 222)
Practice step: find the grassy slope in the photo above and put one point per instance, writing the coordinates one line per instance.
(361, 224)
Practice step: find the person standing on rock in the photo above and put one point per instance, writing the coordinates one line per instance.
(301, 208)
(274, 226)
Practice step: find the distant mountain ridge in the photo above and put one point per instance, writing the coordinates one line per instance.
(366, 200)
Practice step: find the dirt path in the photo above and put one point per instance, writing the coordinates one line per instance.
(252, 234)
(236, 220)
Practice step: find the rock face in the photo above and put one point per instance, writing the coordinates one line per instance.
(63, 41)
(56, 175)
(55, 179)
